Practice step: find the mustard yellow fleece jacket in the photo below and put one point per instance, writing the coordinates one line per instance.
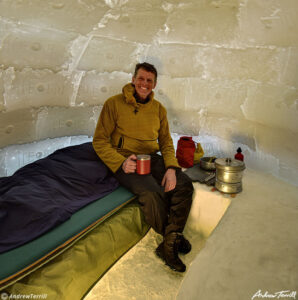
(121, 131)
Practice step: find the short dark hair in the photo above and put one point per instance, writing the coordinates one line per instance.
(147, 67)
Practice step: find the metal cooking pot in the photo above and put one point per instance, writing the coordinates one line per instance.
(228, 188)
(207, 163)
(229, 175)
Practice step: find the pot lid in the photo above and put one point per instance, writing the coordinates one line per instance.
(229, 164)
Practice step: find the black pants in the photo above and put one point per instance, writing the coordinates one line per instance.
(165, 212)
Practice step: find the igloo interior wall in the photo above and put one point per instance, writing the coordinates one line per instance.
(228, 70)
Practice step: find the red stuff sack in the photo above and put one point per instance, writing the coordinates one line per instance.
(185, 151)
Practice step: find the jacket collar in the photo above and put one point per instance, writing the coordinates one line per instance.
(128, 91)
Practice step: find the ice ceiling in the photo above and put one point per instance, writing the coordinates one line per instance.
(228, 69)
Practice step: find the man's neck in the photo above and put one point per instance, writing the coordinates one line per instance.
(140, 100)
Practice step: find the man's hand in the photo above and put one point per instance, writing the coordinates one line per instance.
(169, 180)
(130, 164)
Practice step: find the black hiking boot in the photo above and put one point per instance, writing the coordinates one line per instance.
(168, 251)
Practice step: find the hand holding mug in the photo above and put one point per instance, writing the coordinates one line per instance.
(130, 164)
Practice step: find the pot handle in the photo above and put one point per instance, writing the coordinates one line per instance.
(228, 161)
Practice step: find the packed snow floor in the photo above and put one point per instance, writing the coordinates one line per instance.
(139, 274)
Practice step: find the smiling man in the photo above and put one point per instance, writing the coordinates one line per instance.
(134, 123)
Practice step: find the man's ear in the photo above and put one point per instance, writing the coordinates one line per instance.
(133, 80)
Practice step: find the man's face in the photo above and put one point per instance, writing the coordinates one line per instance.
(144, 83)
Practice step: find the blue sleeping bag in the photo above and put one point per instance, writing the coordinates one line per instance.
(47, 192)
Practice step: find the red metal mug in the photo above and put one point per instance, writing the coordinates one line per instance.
(143, 164)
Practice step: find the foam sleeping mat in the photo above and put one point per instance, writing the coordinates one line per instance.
(19, 262)
(70, 275)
